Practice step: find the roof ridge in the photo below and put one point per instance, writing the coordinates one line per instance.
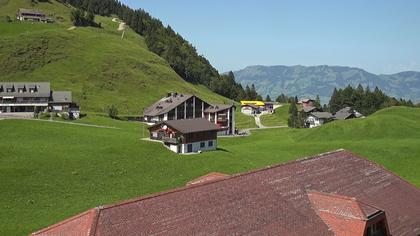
(184, 188)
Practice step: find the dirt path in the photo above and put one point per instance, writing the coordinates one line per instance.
(65, 122)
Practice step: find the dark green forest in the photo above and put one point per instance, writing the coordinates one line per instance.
(165, 42)
(364, 100)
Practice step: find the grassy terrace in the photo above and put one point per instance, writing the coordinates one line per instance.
(278, 118)
(51, 171)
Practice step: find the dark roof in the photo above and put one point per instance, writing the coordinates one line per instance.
(217, 107)
(61, 97)
(31, 11)
(305, 100)
(42, 89)
(166, 104)
(270, 201)
(322, 115)
(189, 125)
(310, 109)
(345, 113)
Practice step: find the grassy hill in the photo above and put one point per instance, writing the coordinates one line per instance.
(95, 63)
(51, 171)
(278, 118)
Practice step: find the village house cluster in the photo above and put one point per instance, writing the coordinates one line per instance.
(27, 99)
(257, 107)
(335, 193)
(316, 117)
(186, 123)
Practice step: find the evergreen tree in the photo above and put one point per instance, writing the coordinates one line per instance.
(248, 94)
(317, 101)
(268, 98)
(254, 94)
(293, 117)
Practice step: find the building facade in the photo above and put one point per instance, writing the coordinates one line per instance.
(315, 119)
(34, 97)
(182, 106)
(33, 15)
(186, 136)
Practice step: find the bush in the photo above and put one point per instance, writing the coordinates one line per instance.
(65, 116)
(6, 19)
(113, 112)
(44, 115)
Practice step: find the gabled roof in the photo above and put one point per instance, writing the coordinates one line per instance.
(31, 11)
(217, 107)
(322, 115)
(305, 100)
(310, 109)
(346, 113)
(345, 215)
(42, 89)
(189, 125)
(61, 97)
(269, 201)
(166, 104)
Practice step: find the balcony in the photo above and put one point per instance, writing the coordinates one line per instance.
(170, 140)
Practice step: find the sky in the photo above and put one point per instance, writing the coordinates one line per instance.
(382, 37)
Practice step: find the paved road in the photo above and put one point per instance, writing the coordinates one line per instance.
(258, 118)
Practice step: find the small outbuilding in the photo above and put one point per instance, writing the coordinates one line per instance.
(250, 109)
(186, 136)
(316, 119)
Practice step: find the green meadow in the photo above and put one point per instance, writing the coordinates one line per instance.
(278, 118)
(51, 171)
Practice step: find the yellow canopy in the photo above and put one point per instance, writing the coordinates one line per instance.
(257, 103)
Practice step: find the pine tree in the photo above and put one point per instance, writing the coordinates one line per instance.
(268, 98)
(317, 101)
(293, 117)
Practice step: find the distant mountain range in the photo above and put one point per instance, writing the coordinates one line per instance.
(308, 81)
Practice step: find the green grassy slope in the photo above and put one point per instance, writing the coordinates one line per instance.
(52, 171)
(96, 64)
(278, 118)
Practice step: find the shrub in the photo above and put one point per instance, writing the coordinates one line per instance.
(113, 112)
(65, 116)
(44, 115)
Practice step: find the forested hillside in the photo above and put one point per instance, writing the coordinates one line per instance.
(165, 42)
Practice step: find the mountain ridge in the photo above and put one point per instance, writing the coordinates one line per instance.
(310, 81)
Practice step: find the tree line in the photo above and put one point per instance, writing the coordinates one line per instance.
(168, 44)
(82, 18)
(363, 100)
(360, 99)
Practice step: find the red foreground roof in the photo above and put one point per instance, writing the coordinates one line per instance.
(286, 199)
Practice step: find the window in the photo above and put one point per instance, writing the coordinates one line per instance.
(189, 148)
(210, 143)
(202, 144)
